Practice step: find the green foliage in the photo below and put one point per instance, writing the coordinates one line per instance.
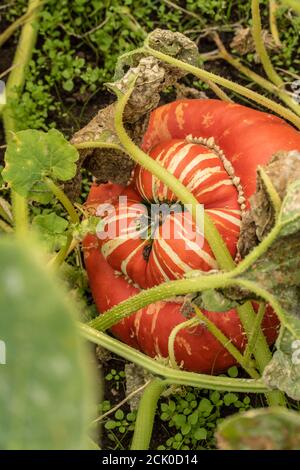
(118, 425)
(116, 377)
(80, 41)
(42, 155)
(264, 429)
(283, 371)
(51, 229)
(45, 385)
(192, 417)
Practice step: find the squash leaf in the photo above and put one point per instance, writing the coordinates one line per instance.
(45, 383)
(263, 429)
(51, 230)
(32, 155)
(283, 371)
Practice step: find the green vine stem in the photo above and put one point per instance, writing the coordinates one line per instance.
(97, 144)
(172, 337)
(226, 342)
(199, 284)
(63, 198)
(163, 291)
(15, 25)
(205, 75)
(20, 212)
(253, 337)
(173, 376)
(214, 330)
(255, 77)
(260, 47)
(273, 7)
(14, 84)
(60, 257)
(219, 92)
(21, 60)
(146, 414)
(265, 59)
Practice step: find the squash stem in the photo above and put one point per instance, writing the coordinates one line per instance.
(173, 376)
(146, 414)
(63, 198)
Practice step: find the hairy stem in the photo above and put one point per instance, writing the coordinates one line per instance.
(273, 7)
(94, 144)
(205, 75)
(60, 257)
(146, 414)
(20, 211)
(255, 77)
(161, 292)
(21, 60)
(219, 92)
(253, 338)
(173, 376)
(226, 342)
(15, 25)
(63, 198)
(172, 337)
(260, 47)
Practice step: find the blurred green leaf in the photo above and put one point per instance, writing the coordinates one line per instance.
(45, 385)
(263, 429)
(292, 4)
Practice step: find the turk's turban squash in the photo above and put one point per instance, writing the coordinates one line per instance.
(214, 149)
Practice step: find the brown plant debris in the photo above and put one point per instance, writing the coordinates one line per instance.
(283, 169)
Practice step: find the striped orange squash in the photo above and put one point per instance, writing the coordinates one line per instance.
(214, 149)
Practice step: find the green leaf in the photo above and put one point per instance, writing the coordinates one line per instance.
(32, 155)
(179, 420)
(283, 371)
(205, 406)
(51, 229)
(214, 301)
(45, 385)
(200, 434)
(119, 415)
(263, 429)
(110, 424)
(193, 418)
(230, 398)
(233, 372)
(185, 429)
